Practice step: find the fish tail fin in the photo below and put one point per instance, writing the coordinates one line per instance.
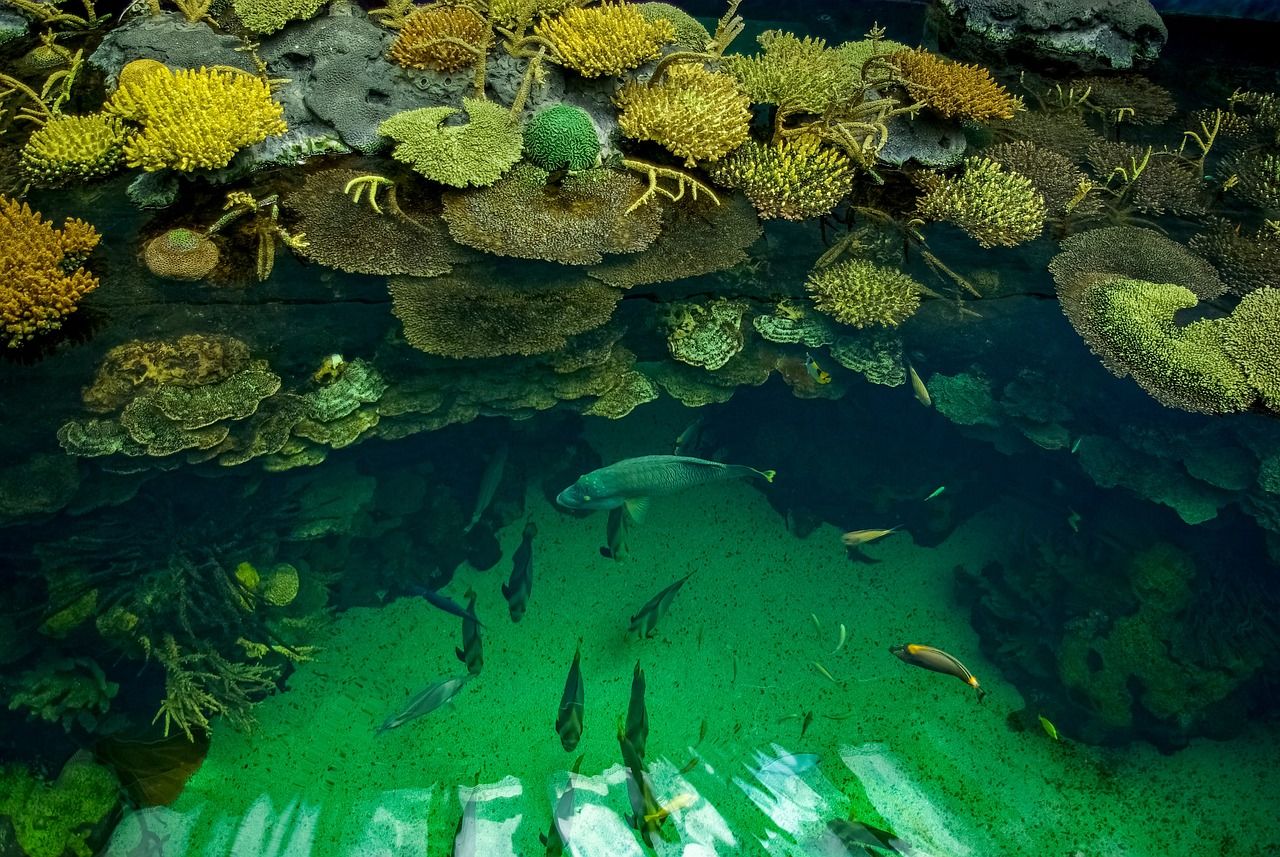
(768, 474)
(461, 656)
(506, 592)
(982, 694)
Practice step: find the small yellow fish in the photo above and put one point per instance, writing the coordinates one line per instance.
(918, 387)
(679, 802)
(854, 538)
(816, 372)
(1049, 728)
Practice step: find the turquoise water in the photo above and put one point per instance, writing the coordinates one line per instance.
(223, 495)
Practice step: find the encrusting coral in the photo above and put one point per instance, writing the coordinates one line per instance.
(193, 118)
(475, 153)
(40, 279)
(574, 222)
(862, 294)
(74, 148)
(444, 38)
(181, 254)
(993, 205)
(795, 179)
(695, 114)
(267, 16)
(141, 365)
(604, 40)
(706, 334)
(561, 137)
(954, 89)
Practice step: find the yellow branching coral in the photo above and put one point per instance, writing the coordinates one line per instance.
(518, 14)
(862, 294)
(193, 118)
(74, 148)
(36, 290)
(690, 34)
(267, 16)
(991, 204)
(574, 222)
(605, 40)
(693, 113)
(444, 38)
(181, 254)
(794, 179)
(952, 88)
(799, 74)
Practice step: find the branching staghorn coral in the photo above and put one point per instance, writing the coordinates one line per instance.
(41, 281)
(795, 179)
(1053, 174)
(604, 40)
(575, 222)
(954, 89)
(444, 38)
(193, 118)
(73, 149)
(655, 173)
(200, 684)
(994, 206)
(561, 137)
(267, 16)
(476, 153)
(1140, 179)
(860, 293)
(693, 113)
(1131, 98)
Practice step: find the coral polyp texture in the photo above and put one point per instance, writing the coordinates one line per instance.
(574, 222)
(41, 282)
(1251, 335)
(954, 89)
(193, 119)
(863, 294)
(561, 137)
(1244, 261)
(267, 16)
(993, 205)
(605, 40)
(444, 38)
(474, 153)
(1053, 174)
(517, 14)
(695, 114)
(181, 254)
(1136, 254)
(802, 74)
(690, 34)
(74, 148)
(795, 179)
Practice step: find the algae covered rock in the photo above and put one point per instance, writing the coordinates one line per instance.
(52, 819)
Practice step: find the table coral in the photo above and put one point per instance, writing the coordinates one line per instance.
(267, 16)
(695, 114)
(1251, 335)
(705, 334)
(73, 149)
(444, 38)
(863, 294)
(475, 153)
(574, 222)
(193, 119)
(1136, 253)
(994, 206)
(181, 254)
(795, 179)
(40, 281)
(954, 89)
(604, 40)
(561, 136)
(142, 365)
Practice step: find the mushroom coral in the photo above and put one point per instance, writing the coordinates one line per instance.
(993, 205)
(794, 179)
(1134, 253)
(74, 148)
(862, 294)
(267, 16)
(476, 152)
(953, 89)
(41, 282)
(561, 137)
(693, 113)
(481, 313)
(574, 222)
(181, 254)
(444, 38)
(604, 40)
(193, 118)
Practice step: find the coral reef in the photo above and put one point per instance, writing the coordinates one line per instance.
(1135, 253)
(181, 254)
(267, 16)
(604, 40)
(444, 38)
(561, 136)
(795, 179)
(1053, 174)
(41, 281)
(993, 205)
(476, 153)
(705, 334)
(802, 75)
(695, 114)
(1250, 336)
(1155, 182)
(1144, 102)
(954, 89)
(1245, 262)
(193, 119)
(574, 222)
(53, 819)
(73, 149)
(860, 293)
(142, 365)
(690, 34)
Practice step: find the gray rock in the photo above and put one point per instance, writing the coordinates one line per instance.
(12, 25)
(154, 190)
(1087, 34)
(171, 39)
(926, 138)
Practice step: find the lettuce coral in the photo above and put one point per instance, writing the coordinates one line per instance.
(40, 279)
(706, 334)
(954, 89)
(444, 38)
(574, 222)
(74, 148)
(695, 114)
(604, 40)
(794, 179)
(193, 118)
(477, 152)
(862, 294)
(993, 205)
(267, 16)
(181, 254)
(561, 137)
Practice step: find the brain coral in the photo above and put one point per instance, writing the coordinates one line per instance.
(267, 16)
(574, 222)
(693, 113)
(561, 137)
(475, 153)
(795, 179)
(993, 205)
(444, 38)
(604, 40)
(74, 148)
(181, 254)
(862, 294)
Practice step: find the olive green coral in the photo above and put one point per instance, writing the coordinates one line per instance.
(561, 137)
(52, 819)
(267, 16)
(801, 74)
(74, 148)
(690, 34)
(993, 205)
(794, 179)
(604, 40)
(1251, 335)
(862, 294)
(181, 254)
(475, 153)
(444, 38)
(1135, 253)
(695, 114)
(1053, 174)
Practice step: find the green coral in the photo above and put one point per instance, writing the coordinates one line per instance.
(690, 34)
(475, 153)
(358, 384)
(794, 179)
(706, 334)
(73, 692)
(1251, 336)
(993, 205)
(561, 136)
(1136, 254)
(54, 819)
(267, 16)
(863, 294)
(802, 74)
(965, 399)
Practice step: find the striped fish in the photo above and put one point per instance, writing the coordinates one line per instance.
(569, 720)
(937, 661)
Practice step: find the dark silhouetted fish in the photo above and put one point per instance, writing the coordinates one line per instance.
(557, 838)
(844, 838)
(425, 702)
(519, 586)
(489, 482)
(616, 532)
(645, 622)
(569, 720)
(637, 715)
(937, 661)
(646, 814)
(447, 604)
(472, 651)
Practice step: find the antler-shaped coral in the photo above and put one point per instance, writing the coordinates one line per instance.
(367, 187)
(684, 181)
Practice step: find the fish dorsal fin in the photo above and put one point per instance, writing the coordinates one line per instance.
(637, 508)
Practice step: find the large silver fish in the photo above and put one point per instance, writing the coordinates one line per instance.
(426, 702)
(489, 482)
(632, 481)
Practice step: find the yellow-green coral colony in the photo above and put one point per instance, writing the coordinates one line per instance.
(74, 148)
(695, 114)
(605, 40)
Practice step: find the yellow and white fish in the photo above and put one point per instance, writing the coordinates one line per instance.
(816, 372)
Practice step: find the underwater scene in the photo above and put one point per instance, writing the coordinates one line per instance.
(608, 428)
